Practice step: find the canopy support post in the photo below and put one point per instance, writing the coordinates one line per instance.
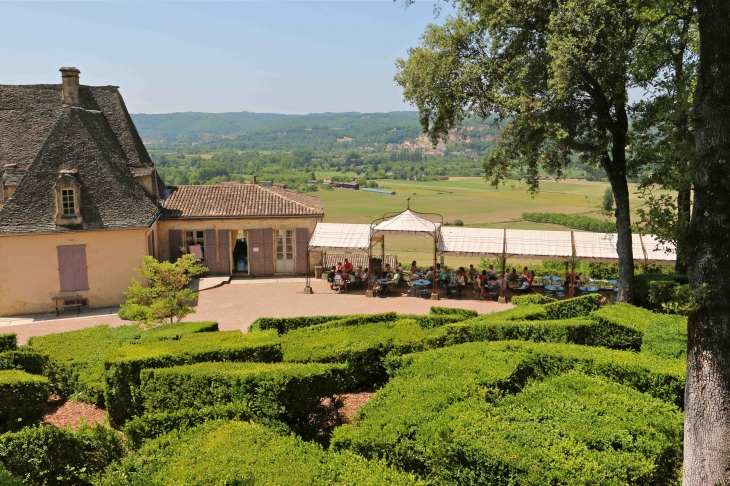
(503, 280)
(571, 294)
(435, 290)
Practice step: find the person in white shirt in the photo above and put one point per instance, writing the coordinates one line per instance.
(492, 271)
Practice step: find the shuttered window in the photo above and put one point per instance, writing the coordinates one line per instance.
(72, 270)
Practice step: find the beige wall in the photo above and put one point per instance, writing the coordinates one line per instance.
(29, 268)
(164, 226)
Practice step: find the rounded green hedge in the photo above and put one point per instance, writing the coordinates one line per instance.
(23, 399)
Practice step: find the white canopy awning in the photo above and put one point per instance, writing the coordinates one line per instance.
(541, 244)
(407, 223)
(335, 236)
(657, 251)
(471, 241)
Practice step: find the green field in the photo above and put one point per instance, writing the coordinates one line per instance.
(470, 199)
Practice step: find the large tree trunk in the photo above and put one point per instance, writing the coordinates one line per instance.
(684, 207)
(707, 394)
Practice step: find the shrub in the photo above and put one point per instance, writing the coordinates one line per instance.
(286, 324)
(623, 325)
(8, 342)
(152, 425)
(572, 428)
(134, 312)
(22, 399)
(522, 313)
(531, 299)
(177, 330)
(671, 297)
(363, 347)
(642, 284)
(450, 311)
(7, 479)
(584, 223)
(50, 455)
(666, 336)
(243, 453)
(401, 422)
(458, 222)
(289, 392)
(124, 364)
(24, 360)
(76, 358)
(430, 321)
(576, 307)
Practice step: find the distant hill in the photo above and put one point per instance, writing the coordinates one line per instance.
(268, 131)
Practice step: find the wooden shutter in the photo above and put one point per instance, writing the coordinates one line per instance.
(150, 246)
(255, 259)
(268, 250)
(224, 252)
(81, 272)
(176, 241)
(211, 255)
(72, 270)
(301, 250)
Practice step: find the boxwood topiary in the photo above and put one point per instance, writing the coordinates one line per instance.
(531, 299)
(8, 342)
(22, 399)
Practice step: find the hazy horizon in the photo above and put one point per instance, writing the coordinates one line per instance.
(293, 58)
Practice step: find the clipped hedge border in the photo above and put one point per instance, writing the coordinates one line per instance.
(22, 399)
(632, 320)
(290, 392)
(8, 342)
(453, 311)
(241, 453)
(575, 307)
(124, 364)
(176, 331)
(24, 360)
(51, 455)
(152, 425)
(282, 325)
(531, 299)
(666, 336)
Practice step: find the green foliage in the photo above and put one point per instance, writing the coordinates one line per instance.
(404, 421)
(76, 358)
(452, 311)
(666, 336)
(673, 298)
(22, 399)
(643, 285)
(362, 347)
(607, 203)
(48, 455)
(8, 342)
(289, 392)
(134, 312)
(531, 299)
(166, 297)
(430, 321)
(152, 425)
(240, 453)
(571, 429)
(7, 479)
(531, 312)
(123, 365)
(458, 222)
(286, 324)
(576, 307)
(633, 320)
(583, 223)
(23, 359)
(177, 330)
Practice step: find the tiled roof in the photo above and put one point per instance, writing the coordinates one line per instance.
(243, 201)
(41, 136)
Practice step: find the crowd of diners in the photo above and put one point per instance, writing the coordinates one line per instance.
(344, 276)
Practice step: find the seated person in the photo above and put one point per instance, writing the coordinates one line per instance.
(414, 268)
(331, 274)
(492, 273)
(352, 280)
(429, 274)
(443, 273)
(530, 277)
(525, 274)
(364, 275)
(347, 267)
(472, 272)
(339, 281)
(461, 279)
(512, 277)
(358, 272)
(338, 266)
(387, 270)
(399, 274)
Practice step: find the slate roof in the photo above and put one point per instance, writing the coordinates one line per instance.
(239, 201)
(42, 136)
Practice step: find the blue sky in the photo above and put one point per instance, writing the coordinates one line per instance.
(262, 56)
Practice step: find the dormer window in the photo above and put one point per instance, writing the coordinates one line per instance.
(68, 202)
(68, 198)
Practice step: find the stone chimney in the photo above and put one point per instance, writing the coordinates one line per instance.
(70, 78)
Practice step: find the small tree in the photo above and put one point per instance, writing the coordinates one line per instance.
(607, 203)
(166, 298)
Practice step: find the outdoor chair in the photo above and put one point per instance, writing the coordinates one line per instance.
(493, 292)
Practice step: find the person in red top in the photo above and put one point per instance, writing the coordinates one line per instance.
(347, 267)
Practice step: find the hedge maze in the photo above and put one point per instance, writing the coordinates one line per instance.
(549, 392)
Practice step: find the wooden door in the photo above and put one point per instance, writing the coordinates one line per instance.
(301, 250)
(256, 252)
(211, 253)
(176, 241)
(268, 250)
(224, 252)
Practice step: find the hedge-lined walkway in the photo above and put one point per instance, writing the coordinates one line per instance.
(237, 306)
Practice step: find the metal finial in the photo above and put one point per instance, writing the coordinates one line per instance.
(409, 203)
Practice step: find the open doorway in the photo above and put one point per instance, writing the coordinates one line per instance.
(240, 253)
